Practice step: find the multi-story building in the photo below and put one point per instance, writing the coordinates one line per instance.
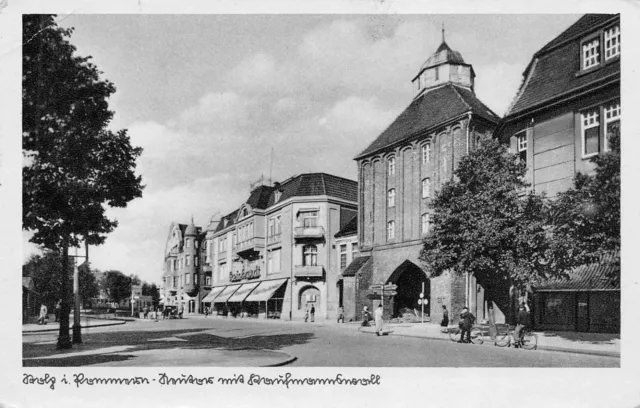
(273, 257)
(181, 271)
(563, 115)
(346, 252)
(399, 173)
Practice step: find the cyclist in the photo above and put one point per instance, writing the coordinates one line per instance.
(466, 323)
(522, 322)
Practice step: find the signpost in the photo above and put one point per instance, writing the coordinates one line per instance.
(380, 290)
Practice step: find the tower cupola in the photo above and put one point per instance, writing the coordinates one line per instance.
(444, 66)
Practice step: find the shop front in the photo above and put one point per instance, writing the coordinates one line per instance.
(268, 298)
(237, 301)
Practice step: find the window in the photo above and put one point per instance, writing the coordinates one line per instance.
(187, 279)
(521, 141)
(343, 256)
(391, 230)
(437, 70)
(426, 187)
(424, 223)
(277, 196)
(392, 197)
(186, 242)
(207, 280)
(309, 255)
(354, 250)
(310, 219)
(611, 42)
(195, 260)
(591, 53)
(195, 244)
(188, 259)
(272, 226)
(391, 163)
(426, 153)
(611, 123)
(590, 132)
(207, 258)
(278, 224)
(273, 261)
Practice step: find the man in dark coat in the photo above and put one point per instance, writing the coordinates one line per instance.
(466, 323)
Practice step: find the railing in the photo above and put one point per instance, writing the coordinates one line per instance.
(222, 255)
(308, 232)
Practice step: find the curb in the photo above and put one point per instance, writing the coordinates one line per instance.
(116, 323)
(290, 360)
(612, 354)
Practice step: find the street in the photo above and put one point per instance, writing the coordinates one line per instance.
(199, 341)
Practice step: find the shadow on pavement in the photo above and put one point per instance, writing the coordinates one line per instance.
(592, 338)
(39, 355)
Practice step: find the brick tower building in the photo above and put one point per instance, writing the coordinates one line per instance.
(399, 174)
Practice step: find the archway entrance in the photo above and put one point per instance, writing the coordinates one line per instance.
(409, 278)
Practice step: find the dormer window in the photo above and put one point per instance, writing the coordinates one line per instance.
(611, 42)
(591, 53)
(277, 196)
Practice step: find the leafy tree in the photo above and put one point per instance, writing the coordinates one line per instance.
(88, 283)
(116, 285)
(484, 223)
(151, 290)
(587, 216)
(74, 167)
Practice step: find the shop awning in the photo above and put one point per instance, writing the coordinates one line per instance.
(243, 292)
(226, 293)
(265, 290)
(213, 294)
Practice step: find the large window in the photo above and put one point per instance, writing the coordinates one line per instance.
(426, 153)
(187, 279)
(273, 261)
(611, 122)
(426, 187)
(275, 225)
(521, 141)
(391, 230)
(590, 132)
(391, 196)
(354, 250)
(207, 254)
(195, 260)
(591, 53)
(309, 255)
(391, 164)
(343, 256)
(424, 223)
(188, 259)
(309, 219)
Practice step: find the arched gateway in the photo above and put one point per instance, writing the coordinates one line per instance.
(409, 279)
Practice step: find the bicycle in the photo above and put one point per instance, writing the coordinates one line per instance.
(477, 334)
(505, 338)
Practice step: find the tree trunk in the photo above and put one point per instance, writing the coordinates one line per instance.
(64, 340)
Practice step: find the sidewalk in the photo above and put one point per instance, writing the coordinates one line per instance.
(85, 322)
(602, 344)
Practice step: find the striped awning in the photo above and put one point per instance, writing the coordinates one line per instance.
(243, 292)
(226, 293)
(213, 294)
(265, 290)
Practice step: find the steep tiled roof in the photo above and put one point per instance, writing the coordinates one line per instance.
(227, 221)
(443, 55)
(313, 184)
(259, 197)
(553, 70)
(596, 276)
(428, 111)
(351, 228)
(357, 264)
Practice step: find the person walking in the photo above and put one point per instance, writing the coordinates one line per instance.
(181, 311)
(42, 319)
(145, 312)
(466, 323)
(313, 313)
(341, 314)
(306, 315)
(378, 318)
(445, 319)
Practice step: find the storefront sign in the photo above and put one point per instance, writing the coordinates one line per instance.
(248, 274)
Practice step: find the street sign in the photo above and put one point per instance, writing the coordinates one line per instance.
(425, 301)
(390, 286)
(375, 286)
(421, 295)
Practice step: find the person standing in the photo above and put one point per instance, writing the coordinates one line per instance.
(378, 318)
(466, 323)
(521, 322)
(181, 310)
(145, 312)
(57, 310)
(313, 313)
(445, 319)
(42, 319)
(306, 314)
(341, 314)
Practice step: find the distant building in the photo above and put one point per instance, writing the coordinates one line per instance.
(564, 114)
(272, 257)
(399, 173)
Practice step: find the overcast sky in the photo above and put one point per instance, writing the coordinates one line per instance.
(208, 97)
